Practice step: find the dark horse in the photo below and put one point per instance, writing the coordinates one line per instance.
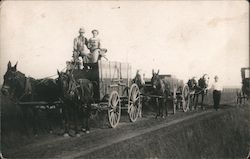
(161, 88)
(77, 96)
(26, 89)
(198, 88)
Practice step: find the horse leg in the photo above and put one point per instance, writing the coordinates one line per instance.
(88, 111)
(166, 107)
(202, 99)
(49, 120)
(76, 118)
(86, 115)
(161, 108)
(34, 120)
(196, 101)
(24, 118)
(65, 120)
(158, 107)
(192, 105)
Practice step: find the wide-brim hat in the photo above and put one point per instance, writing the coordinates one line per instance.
(81, 30)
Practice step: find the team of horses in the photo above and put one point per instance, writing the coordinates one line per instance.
(161, 89)
(77, 95)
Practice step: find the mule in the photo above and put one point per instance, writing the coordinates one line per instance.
(197, 89)
(160, 88)
(20, 88)
(77, 96)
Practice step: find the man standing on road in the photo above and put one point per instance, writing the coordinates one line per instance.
(217, 88)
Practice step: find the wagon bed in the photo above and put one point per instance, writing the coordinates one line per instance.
(113, 89)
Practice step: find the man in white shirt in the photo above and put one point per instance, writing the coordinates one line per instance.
(217, 88)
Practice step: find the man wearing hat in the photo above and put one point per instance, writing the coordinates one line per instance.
(217, 88)
(79, 48)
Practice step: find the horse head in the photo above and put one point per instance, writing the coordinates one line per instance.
(14, 82)
(155, 80)
(204, 81)
(63, 82)
(67, 84)
(192, 83)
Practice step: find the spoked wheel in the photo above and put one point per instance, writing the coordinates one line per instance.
(114, 109)
(185, 98)
(134, 102)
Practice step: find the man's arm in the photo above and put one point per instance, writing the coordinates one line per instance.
(86, 42)
(99, 43)
(75, 44)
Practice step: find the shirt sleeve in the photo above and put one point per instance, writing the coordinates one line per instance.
(99, 43)
(75, 44)
(86, 42)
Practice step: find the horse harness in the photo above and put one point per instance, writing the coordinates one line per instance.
(27, 89)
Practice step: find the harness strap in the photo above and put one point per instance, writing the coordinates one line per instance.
(200, 91)
(27, 89)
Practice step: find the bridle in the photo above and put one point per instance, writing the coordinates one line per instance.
(27, 89)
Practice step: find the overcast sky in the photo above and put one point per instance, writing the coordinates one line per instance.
(181, 38)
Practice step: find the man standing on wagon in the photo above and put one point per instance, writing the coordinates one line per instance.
(80, 47)
(94, 45)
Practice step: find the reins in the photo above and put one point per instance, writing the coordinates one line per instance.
(28, 87)
(200, 91)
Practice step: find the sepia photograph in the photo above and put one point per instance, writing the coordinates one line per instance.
(124, 79)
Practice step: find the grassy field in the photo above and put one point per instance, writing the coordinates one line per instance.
(228, 96)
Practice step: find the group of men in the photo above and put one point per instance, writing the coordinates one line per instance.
(89, 49)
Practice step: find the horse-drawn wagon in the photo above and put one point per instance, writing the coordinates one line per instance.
(179, 92)
(113, 90)
(168, 88)
(244, 92)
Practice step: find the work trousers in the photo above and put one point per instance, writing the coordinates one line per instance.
(216, 97)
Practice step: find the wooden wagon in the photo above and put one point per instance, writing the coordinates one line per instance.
(113, 89)
(244, 92)
(180, 95)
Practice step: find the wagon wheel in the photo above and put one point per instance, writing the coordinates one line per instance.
(114, 109)
(174, 99)
(185, 98)
(134, 104)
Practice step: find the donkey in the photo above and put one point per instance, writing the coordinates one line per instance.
(161, 88)
(20, 88)
(77, 96)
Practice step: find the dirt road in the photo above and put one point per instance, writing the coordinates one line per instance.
(54, 146)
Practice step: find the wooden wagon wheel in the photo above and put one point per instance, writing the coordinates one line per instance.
(185, 98)
(134, 102)
(114, 109)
